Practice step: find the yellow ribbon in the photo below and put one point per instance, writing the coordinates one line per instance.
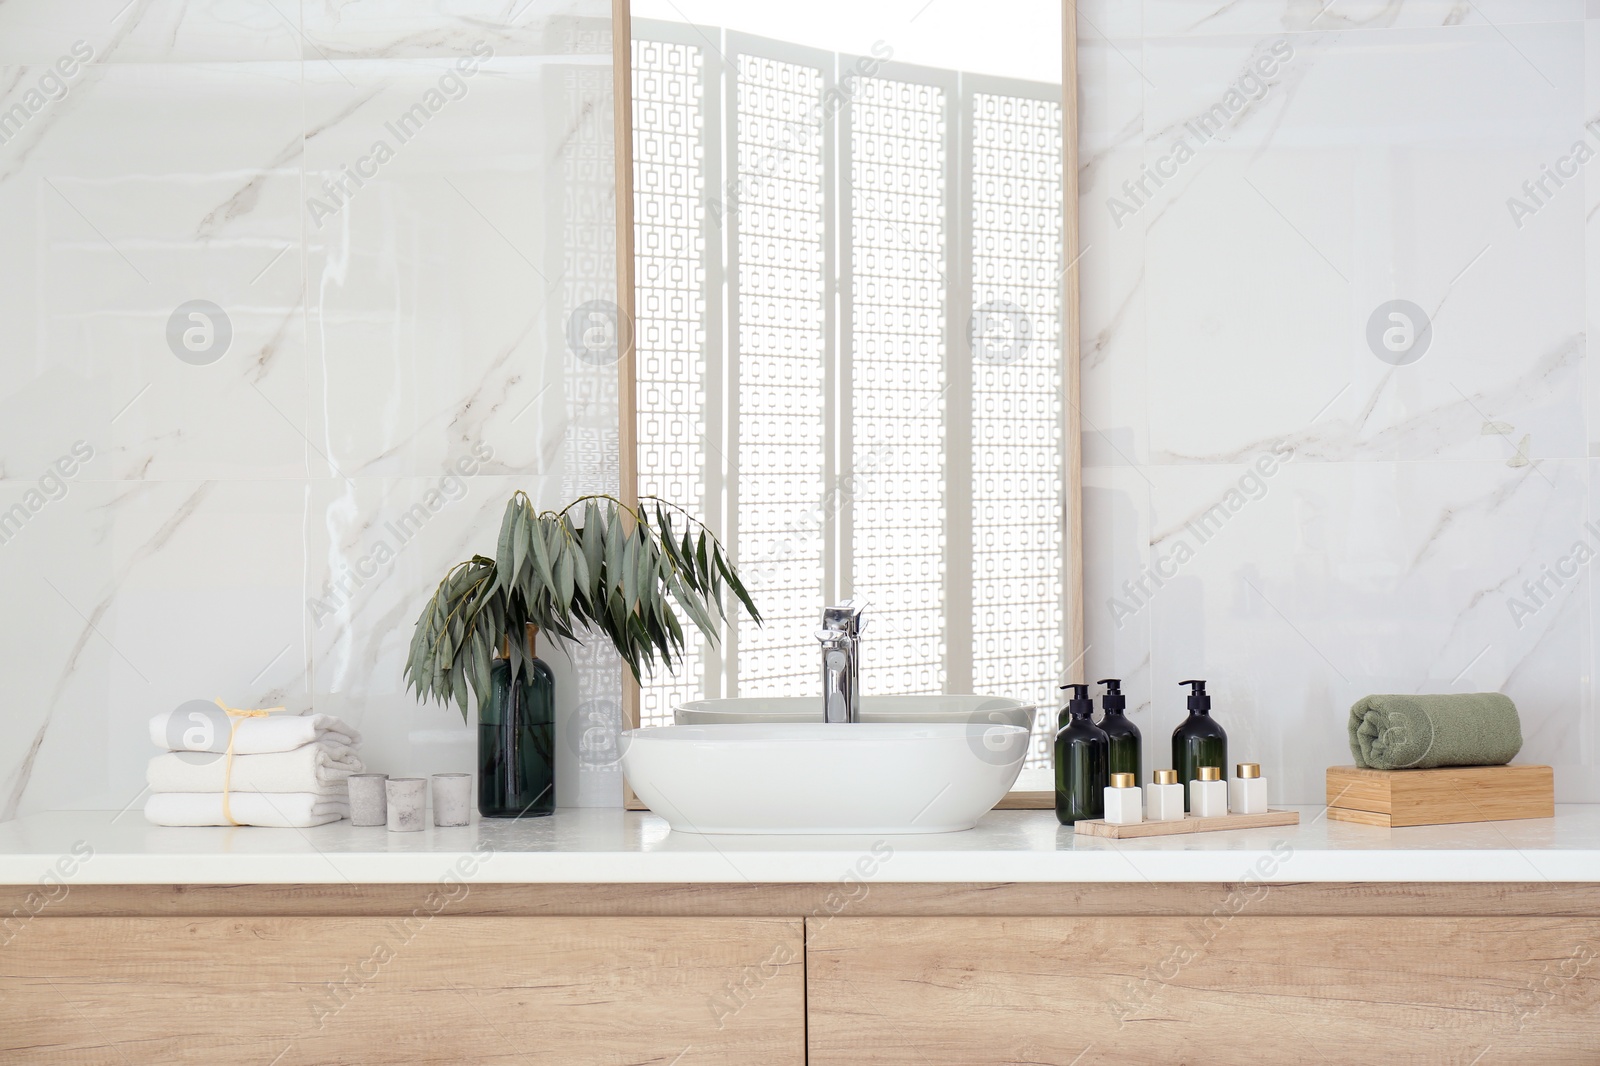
(238, 715)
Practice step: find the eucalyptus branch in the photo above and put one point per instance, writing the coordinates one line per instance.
(626, 579)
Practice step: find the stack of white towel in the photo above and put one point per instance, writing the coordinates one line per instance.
(286, 771)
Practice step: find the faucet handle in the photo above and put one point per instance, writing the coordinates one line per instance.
(844, 617)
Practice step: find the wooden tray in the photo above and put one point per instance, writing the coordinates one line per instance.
(1442, 796)
(1100, 828)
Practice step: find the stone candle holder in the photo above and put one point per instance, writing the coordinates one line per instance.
(452, 799)
(368, 801)
(408, 804)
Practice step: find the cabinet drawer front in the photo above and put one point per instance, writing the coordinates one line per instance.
(404, 990)
(1224, 989)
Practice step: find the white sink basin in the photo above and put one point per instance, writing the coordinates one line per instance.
(815, 777)
(955, 710)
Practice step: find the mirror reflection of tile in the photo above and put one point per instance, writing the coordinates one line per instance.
(903, 445)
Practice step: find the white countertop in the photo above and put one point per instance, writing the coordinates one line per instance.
(604, 845)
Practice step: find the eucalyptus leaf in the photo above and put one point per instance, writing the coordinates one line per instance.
(583, 594)
(623, 573)
(715, 585)
(519, 542)
(627, 570)
(482, 681)
(659, 636)
(458, 685)
(613, 560)
(686, 562)
(535, 537)
(696, 609)
(671, 618)
(566, 583)
(504, 558)
(645, 567)
(594, 550)
(738, 587)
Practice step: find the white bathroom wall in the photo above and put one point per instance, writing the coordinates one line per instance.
(1226, 316)
(385, 339)
(420, 321)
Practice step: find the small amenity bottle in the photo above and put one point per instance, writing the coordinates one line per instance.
(1163, 797)
(1124, 804)
(1122, 734)
(1081, 754)
(1208, 793)
(1247, 792)
(1198, 741)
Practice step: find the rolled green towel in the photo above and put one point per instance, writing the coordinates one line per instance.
(1421, 732)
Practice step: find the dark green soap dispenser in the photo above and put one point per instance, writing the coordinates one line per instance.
(1082, 760)
(1198, 741)
(1123, 734)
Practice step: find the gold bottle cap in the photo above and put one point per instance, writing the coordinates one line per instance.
(1124, 781)
(1166, 777)
(1247, 771)
(1211, 773)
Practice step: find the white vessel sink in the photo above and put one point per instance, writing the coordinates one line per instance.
(955, 710)
(816, 777)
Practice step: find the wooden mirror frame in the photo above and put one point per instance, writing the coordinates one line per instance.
(627, 389)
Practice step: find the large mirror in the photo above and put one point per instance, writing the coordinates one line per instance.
(854, 228)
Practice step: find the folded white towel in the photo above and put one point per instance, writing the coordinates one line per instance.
(254, 736)
(321, 768)
(296, 810)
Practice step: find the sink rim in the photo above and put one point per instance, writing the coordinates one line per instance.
(743, 733)
(721, 705)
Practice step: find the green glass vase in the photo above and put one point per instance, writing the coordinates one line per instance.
(516, 741)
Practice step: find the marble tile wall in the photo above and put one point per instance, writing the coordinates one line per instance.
(1385, 524)
(1415, 521)
(190, 513)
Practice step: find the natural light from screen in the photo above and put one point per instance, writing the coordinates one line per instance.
(946, 34)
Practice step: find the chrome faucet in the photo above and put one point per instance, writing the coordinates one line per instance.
(841, 661)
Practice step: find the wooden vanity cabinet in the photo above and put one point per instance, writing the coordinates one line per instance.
(780, 975)
(1269, 990)
(291, 990)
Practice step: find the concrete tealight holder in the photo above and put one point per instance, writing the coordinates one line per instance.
(452, 799)
(368, 804)
(408, 804)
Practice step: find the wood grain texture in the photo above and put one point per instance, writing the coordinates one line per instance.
(447, 990)
(1510, 899)
(1441, 796)
(1097, 827)
(1350, 814)
(1026, 800)
(1072, 431)
(1245, 989)
(628, 303)
(1072, 446)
